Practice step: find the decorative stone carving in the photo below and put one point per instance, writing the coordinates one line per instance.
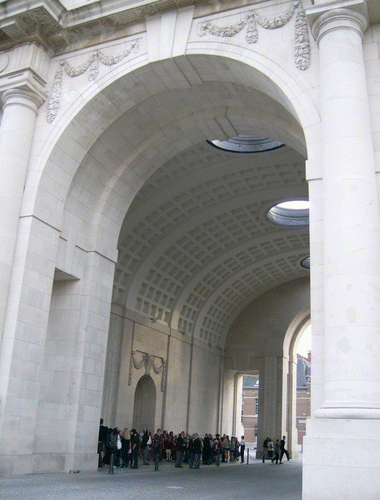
(252, 19)
(302, 42)
(92, 64)
(148, 361)
(55, 95)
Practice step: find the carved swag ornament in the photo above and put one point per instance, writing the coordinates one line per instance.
(252, 20)
(147, 361)
(92, 64)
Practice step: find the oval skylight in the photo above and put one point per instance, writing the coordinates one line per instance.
(306, 263)
(247, 144)
(290, 213)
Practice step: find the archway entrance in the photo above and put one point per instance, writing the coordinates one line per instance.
(168, 233)
(144, 407)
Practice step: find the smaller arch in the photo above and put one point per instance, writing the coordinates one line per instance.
(294, 332)
(292, 338)
(144, 407)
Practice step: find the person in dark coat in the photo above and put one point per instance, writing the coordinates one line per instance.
(197, 446)
(102, 442)
(181, 450)
(283, 451)
(125, 452)
(156, 447)
(207, 450)
(135, 447)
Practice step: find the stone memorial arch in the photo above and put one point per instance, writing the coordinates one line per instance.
(141, 149)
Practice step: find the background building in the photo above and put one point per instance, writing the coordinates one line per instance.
(303, 395)
(250, 402)
(250, 408)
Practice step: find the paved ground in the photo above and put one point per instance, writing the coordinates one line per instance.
(229, 481)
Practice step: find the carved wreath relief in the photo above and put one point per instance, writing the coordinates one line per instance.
(252, 20)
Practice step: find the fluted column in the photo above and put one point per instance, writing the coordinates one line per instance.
(20, 109)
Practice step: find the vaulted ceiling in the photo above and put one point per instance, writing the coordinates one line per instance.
(196, 246)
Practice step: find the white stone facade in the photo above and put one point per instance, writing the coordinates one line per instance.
(139, 275)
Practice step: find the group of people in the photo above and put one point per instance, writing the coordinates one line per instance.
(275, 451)
(124, 448)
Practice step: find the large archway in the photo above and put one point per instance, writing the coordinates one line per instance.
(136, 145)
(126, 237)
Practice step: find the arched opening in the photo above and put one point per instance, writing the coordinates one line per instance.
(192, 252)
(294, 334)
(304, 381)
(258, 344)
(144, 406)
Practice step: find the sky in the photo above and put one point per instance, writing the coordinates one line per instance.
(305, 342)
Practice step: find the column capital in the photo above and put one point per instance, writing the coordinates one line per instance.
(325, 18)
(23, 98)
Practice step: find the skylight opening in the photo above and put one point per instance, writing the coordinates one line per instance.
(294, 205)
(290, 213)
(305, 263)
(247, 144)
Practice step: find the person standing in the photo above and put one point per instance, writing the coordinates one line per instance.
(206, 449)
(283, 450)
(265, 449)
(242, 449)
(135, 447)
(270, 448)
(181, 450)
(190, 450)
(276, 456)
(144, 447)
(125, 456)
(197, 447)
(156, 446)
(226, 448)
(217, 449)
(102, 441)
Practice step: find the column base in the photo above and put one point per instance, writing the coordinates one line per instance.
(340, 459)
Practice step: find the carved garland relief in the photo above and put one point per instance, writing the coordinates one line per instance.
(252, 20)
(148, 362)
(92, 64)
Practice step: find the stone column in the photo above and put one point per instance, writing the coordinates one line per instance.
(20, 109)
(350, 411)
(351, 223)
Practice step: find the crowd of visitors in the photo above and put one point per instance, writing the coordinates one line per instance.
(126, 448)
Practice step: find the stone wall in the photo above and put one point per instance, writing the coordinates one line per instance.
(186, 375)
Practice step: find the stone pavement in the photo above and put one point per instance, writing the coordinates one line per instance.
(229, 481)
